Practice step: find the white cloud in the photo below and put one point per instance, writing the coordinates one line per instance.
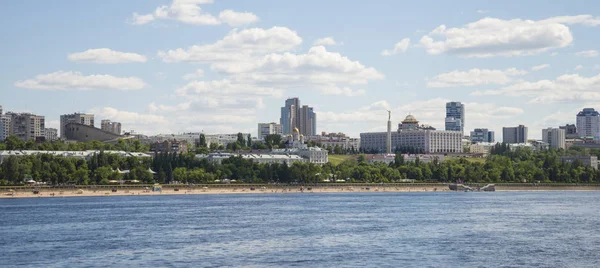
(195, 75)
(141, 123)
(401, 46)
(587, 54)
(62, 80)
(587, 20)
(189, 11)
(237, 46)
(578, 67)
(540, 67)
(327, 41)
(106, 56)
(565, 88)
(491, 37)
(474, 77)
(345, 91)
(236, 19)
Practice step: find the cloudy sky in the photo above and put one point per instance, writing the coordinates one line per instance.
(222, 66)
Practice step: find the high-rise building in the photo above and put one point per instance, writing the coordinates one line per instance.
(265, 129)
(570, 131)
(114, 127)
(482, 135)
(555, 137)
(51, 134)
(514, 134)
(295, 116)
(26, 126)
(4, 127)
(1, 110)
(588, 123)
(84, 119)
(455, 116)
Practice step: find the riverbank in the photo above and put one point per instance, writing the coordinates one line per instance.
(28, 192)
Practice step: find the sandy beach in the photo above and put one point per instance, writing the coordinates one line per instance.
(141, 191)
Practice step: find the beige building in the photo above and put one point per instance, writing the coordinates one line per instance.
(79, 118)
(555, 137)
(114, 127)
(26, 126)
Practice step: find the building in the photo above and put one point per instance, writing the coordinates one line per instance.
(169, 146)
(332, 140)
(555, 137)
(391, 158)
(586, 160)
(410, 136)
(51, 134)
(588, 123)
(4, 127)
(1, 110)
(68, 154)
(455, 116)
(297, 146)
(514, 134)
(79, 118)
(86, 133)
(257, 158)
(265, 129)
(114, 127)
(26, 126)
(484, 148)
(570, 131)
(222, 139)
(295, 116)
(482, 135)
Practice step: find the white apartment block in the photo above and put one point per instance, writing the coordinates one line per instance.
(346, 143)
(555, 137)
(4, 127)
(51, 134)
(588, 123)
(113, 127)
(223, 139)
(427, 141)
(26, 126)
(84, 119)
(265, 129)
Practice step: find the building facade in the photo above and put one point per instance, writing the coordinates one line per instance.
(570, 131)
(26, 126)
(114, 127)
(516, 134)
(586, 160)
(411, 136)
(4, 127)
(51, 134)
(265, 129)
(588, 123)
(555, 137)
(222, 139)
(86, 133)
(293, 115)
(455, 116)
(169, 146)
(79, 118)
(482, 135)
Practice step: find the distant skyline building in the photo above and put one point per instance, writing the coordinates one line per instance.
(265, 129)
(482, 135)
(1, 110)
(588, 123)
(27, 126)
(114, 127)
(516, 134)
(555, 137)
(455, 116)
(4, 127)
(293, 115)
(79, 118)
(570, 131)
(51, 134)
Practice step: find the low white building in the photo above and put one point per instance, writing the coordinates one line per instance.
(223, 139)
(265, 129)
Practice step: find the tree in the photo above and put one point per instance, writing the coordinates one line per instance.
(249, 141)
(202, 140)
(240, 138)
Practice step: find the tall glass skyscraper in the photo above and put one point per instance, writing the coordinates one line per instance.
(295, 116)
(588, 123)
(455, 116)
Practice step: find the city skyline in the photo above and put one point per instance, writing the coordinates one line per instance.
(231, 66)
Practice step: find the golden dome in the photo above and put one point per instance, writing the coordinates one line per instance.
(410, 119)
(296, 130)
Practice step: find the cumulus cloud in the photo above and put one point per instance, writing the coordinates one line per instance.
(540, 67)
(565, 88)
(587, 20)
(106, 56)
(587, 54)
(401, 46)
(62, 80)
(195, 75)
(237, 46)
(226, 87)
(491, 37)
(190, 12)
(327, 41)
(474, 77)
(345, 91)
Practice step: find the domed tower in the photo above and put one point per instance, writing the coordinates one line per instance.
(296, 134)
(409, 123)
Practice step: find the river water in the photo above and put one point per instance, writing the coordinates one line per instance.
(500, 229)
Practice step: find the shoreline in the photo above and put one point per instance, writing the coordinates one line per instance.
(138, 191)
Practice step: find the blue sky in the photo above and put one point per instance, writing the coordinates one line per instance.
(223, 66)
